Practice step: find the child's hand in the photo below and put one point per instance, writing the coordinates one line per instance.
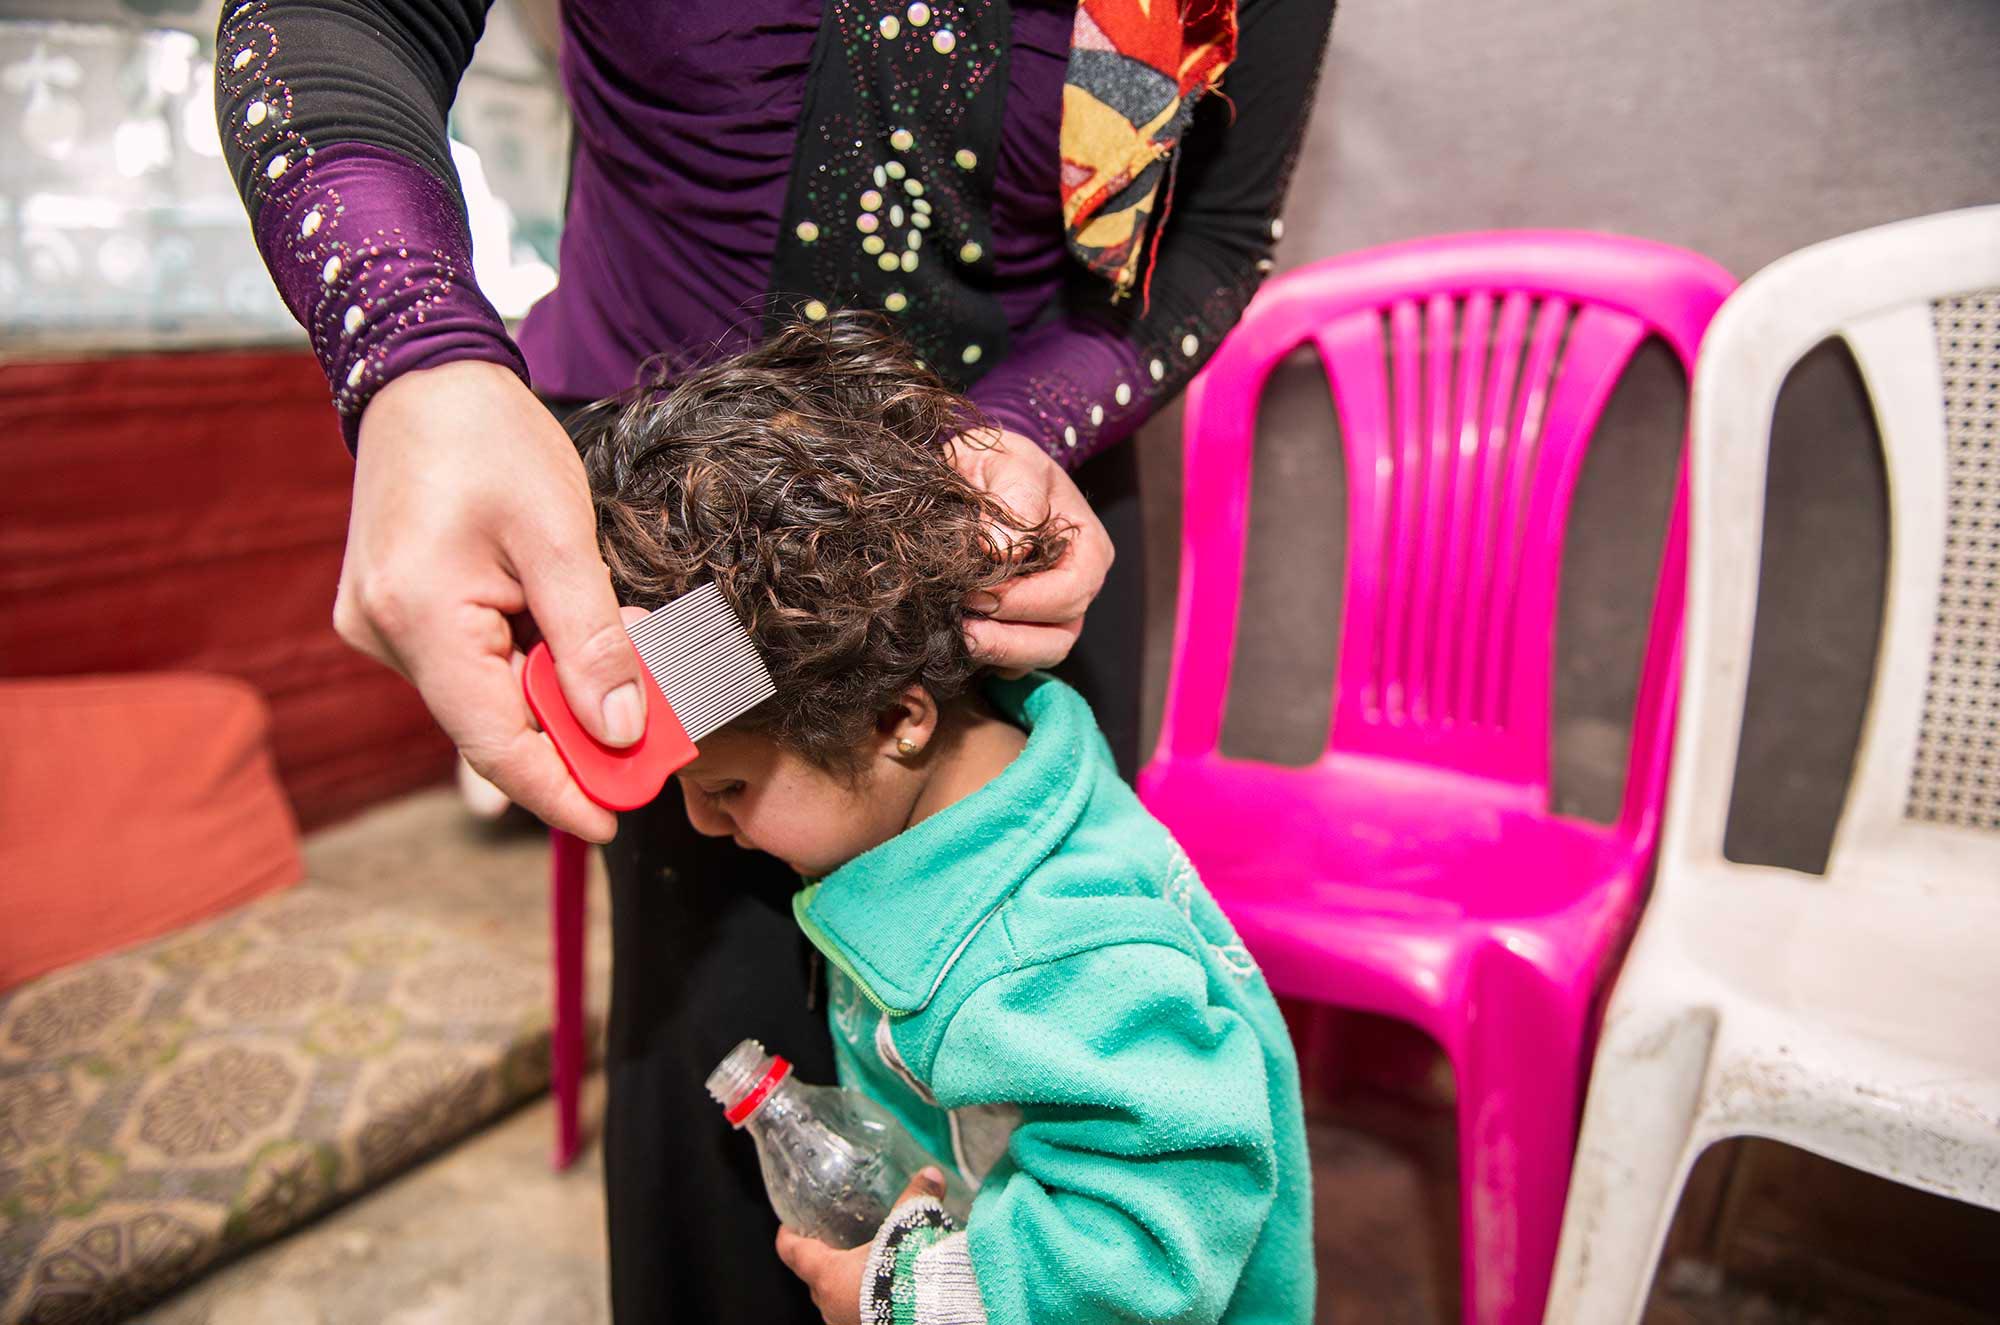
(835, 1276)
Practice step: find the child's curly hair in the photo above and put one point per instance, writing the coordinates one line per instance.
(808, 478)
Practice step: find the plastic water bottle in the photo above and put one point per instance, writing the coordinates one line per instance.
(834, 1161)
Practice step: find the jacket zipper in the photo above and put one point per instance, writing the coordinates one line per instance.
(800, 901)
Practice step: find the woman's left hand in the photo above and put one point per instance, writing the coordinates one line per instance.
(1032, 621)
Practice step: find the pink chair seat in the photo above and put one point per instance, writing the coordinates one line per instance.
(1416, 869)
(1354, 839)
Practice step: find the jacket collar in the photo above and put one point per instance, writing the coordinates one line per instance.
(899, 915)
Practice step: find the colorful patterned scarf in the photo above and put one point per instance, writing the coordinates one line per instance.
(1136, 70)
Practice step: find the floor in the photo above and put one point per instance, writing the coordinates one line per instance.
(487, 1234)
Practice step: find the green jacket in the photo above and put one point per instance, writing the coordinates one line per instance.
(1036, 983)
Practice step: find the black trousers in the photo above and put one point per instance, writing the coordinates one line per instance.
(705, 952)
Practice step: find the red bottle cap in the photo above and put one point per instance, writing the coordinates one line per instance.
(743, 1108)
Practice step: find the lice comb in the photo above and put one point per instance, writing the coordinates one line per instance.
(704, 672)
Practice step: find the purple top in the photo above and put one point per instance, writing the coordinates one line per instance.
(685, 122)
(685, 119)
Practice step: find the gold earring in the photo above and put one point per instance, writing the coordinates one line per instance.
(905, 746)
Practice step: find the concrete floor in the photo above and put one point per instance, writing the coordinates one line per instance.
(486, 1234)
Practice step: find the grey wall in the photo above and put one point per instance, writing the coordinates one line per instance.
(1740, 130)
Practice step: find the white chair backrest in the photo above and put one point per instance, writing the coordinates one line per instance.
(1918, 304)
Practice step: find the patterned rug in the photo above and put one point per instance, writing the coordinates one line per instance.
(166, 1107)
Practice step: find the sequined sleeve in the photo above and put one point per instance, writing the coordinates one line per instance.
(1088, 378)
(332, 115)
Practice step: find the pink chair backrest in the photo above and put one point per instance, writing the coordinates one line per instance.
(1468, 373)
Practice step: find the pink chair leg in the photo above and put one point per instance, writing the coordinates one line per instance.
(1519, 1064)
(566, 1038)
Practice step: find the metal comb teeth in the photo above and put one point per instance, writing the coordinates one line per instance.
(703, 660)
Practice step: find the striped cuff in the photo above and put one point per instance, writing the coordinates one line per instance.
(947, 1292)
(919, 1271)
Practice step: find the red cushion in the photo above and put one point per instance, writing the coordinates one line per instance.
(131, 806)
(186, 512)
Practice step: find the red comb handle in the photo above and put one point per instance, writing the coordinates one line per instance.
(617, 779)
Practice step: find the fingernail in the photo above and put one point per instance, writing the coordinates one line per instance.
(932, 1180)
(624, 715)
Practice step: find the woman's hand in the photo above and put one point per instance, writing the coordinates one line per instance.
(471, 507)
(835, 1276)
(1032, 622)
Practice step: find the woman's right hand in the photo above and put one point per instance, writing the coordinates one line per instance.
(471, 507)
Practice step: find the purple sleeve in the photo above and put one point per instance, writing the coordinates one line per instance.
(1073, 386)
(332, 117)
(1088, 378)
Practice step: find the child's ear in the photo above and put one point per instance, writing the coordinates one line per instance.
(906, 727)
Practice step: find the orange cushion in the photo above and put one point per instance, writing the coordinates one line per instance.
(130, 806)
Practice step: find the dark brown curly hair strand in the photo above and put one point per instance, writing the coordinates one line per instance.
(809, 478)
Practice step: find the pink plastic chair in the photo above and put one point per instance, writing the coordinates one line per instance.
(1416, 869)
(566, 1034)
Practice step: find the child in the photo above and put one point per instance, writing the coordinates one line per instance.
(1022, 965)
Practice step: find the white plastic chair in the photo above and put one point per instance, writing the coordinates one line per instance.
(1855, 1015)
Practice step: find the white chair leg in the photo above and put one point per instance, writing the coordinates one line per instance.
(1632, 1159)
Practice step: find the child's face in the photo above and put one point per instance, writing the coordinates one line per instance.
(768, 798)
